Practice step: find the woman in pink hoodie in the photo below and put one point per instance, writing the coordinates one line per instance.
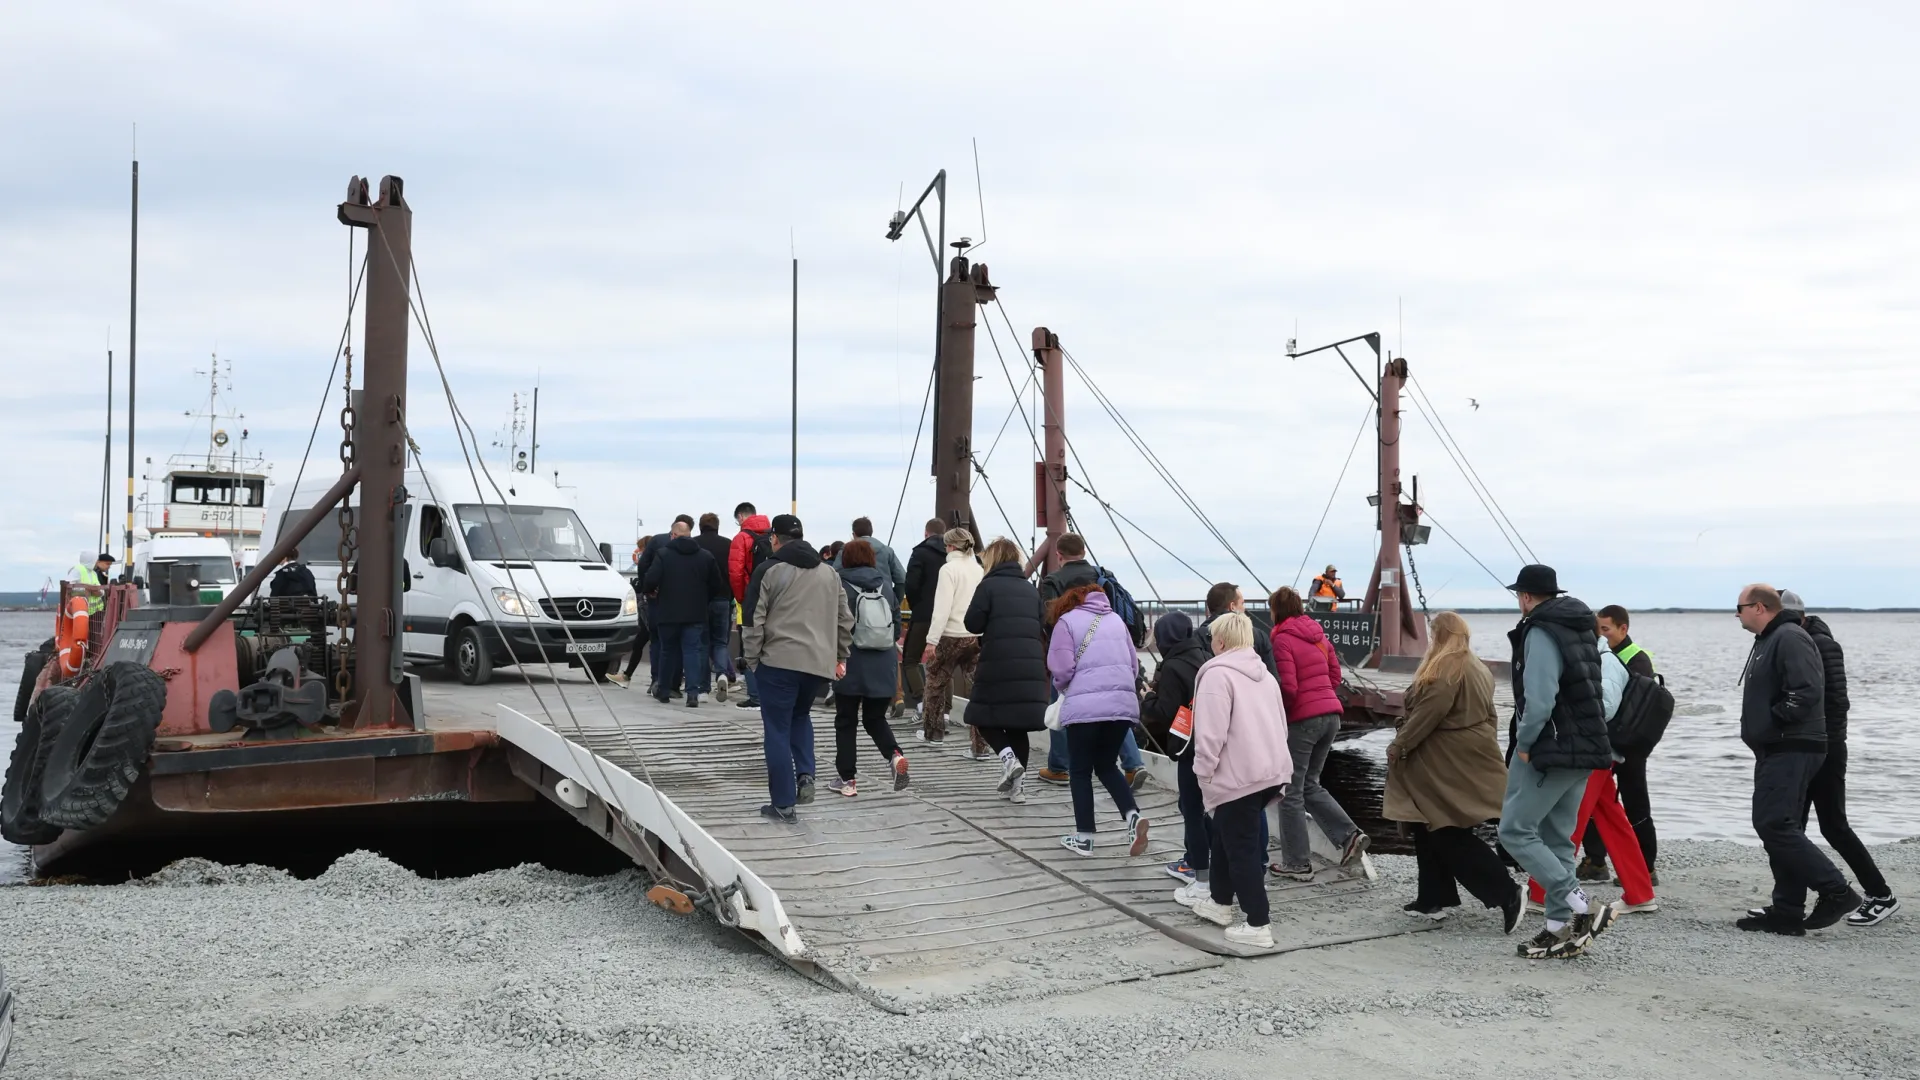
(1240, 759)
(1309, 684)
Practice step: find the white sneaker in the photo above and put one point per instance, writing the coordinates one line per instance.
(1019, 793)
(1192, 893)
(617, 679)
(1010, 773)
(1217, 914)
(1255, 937)
(1621, 907)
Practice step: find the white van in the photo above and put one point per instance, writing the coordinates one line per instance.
(208, 559)
(474, 569)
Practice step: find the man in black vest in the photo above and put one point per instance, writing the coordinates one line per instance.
(1783, 720)
(1557, 738)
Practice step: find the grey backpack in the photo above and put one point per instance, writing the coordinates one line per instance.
(872, 620)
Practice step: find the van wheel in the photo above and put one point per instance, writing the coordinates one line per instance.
(598, 669)
(472, 661)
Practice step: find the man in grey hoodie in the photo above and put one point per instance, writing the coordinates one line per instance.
(796, 642)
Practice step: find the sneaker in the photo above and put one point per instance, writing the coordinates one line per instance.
(1769, 923)
(1291, 873)
(747, 703)
(1355, 847)
(1654, 880)
(843, 787)
(693, 701)
(1053, 776)
(660, 697)
(922, 736)
(1594, 923)
(1621, 907)
(1874, 911)
(1137, 778)
(1536, 907)
(720, 689)
(618, 679)
(1513, 911)
(1425, 911)
(1833, 907)
(673, 693)
(1138, 826)
(806, 790)
(1217, 914)
(1019, 793)
(1192, 893)
(1181, 872)
(1550, 945)
(1588, 870)
(1078, 844)
(896, 710)
(1010, 773)
(1254, 937)
(785, 815)
(899, 771)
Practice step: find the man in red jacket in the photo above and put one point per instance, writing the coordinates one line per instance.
(754, 528)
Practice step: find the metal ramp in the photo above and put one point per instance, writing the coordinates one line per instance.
(942, 890)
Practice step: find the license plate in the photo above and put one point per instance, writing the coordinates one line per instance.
(575, 647)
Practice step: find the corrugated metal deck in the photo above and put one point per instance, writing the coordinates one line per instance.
(944, 888)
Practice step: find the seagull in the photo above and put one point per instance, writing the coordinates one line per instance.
(1475, 402)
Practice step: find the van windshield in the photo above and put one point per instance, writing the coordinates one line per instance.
(546, 533)
(206, 569)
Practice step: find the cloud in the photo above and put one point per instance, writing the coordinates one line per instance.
(1670, 251)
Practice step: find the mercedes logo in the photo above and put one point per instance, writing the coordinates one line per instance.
(585, 608)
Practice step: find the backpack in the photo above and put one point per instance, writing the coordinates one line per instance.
(1646, 706)
(760, 552)
(1122, 603)
(872, 620)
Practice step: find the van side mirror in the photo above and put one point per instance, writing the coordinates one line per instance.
(606, 553)
(440, 553)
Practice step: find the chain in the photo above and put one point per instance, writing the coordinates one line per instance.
(1414, 573)
(349, 539)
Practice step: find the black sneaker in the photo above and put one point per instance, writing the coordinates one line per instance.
(1513, 910)
(1425, 911)
(1545, 945)
(1588, 870)
(1874, 911)
(693, 701)
(785, 815)
(806, 790)
(1597, 921)
(1771, 923)
(747, 703)
(1833, 907)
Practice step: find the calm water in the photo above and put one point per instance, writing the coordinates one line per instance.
(1701, 776)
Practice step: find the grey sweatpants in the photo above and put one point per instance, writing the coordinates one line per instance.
(1537, 819)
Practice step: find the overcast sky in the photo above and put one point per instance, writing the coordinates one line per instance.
(1670, 250)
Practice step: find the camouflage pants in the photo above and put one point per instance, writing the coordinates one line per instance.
(953, 658)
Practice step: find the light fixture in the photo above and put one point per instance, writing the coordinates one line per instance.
(1373, 500)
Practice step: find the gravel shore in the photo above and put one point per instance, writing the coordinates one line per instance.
(217, 972)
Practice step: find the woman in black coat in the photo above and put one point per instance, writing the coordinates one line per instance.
(865, 688)
(1011, 684)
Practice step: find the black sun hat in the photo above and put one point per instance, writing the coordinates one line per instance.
(1537, 580)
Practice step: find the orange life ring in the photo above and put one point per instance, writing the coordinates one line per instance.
(71, 636)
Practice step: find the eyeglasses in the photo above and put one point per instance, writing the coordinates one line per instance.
(1738, 608)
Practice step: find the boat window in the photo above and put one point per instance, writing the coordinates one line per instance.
(206, 569)
(186, 490)
(256, 493)
(550, 533)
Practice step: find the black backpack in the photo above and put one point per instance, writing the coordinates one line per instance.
(1122, 603)
(1646, 707)
(761, 551)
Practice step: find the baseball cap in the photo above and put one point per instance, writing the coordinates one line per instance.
(1790, 601)
(788, 526)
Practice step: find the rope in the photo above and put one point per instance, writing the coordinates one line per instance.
(1138, 529)
(1468, 473)
(1463, 547)
(911, 454)
(1368, 415)
(353, 296)
(996, 498)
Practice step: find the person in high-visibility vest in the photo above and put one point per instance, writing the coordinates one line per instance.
(1326, 592)
(93, 580)
(1629, 774)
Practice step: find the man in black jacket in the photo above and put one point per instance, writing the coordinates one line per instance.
(1558, 738)
(293, 578)
(684, 579)
(1828, 791)
(1783, 721)
(652, 606)
(720, 608)
(1074, 571)
(1225, 597)
(923, 576)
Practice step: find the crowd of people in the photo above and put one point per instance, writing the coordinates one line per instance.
(1248, 715)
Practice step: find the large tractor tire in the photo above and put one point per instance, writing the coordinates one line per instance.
(102, 746)
(20, 820)
(29, 675)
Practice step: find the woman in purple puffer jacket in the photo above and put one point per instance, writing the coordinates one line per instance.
(1094, 667)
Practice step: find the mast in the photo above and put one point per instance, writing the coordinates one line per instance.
(1050, 475)
(106, 462)
(133, 326)
(963, 291)
(533, 448)
(793, 491)
(379, 450)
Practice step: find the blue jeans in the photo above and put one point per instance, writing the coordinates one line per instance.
(683, 652)
(786, 719)
(1057, 752)
(719, 633)
(1200, 827)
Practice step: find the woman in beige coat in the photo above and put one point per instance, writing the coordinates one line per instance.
(1445, 776)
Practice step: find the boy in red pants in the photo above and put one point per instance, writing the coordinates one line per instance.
(1601, 805)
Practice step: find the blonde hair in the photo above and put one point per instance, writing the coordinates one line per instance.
(1232, 631)
(958, 540)
(1000, 551)
(1450, 652)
